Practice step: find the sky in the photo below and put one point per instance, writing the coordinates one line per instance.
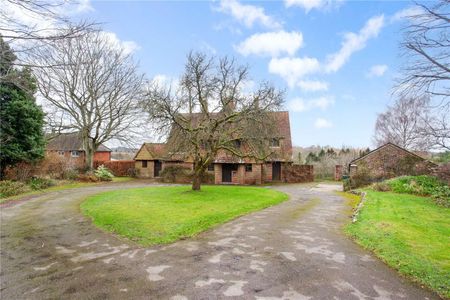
(336, 60)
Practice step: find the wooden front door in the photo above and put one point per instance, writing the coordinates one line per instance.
(157, 168)
(276, 171)
(227, 170)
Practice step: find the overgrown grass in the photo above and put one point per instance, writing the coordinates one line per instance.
(158, 215)
(352, 199)
(410, 233)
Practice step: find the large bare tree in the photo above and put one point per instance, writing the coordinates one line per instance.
(426, 71)
(403, 123)
(93, 87)
(212, 111)
(30, 25)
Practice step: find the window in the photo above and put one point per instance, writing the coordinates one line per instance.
(237, 144)
(144, 164)
(74, 153)
(275, 143)
(248, 168)
(211, 167)
(61, 153)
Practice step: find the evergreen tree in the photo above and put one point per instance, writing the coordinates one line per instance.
(21, 119)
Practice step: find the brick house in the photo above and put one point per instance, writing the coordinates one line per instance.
(70, 147)
(390, 161)
(226, 168)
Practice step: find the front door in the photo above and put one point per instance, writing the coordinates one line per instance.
(157, 168)
(276, 171)
(227, 170)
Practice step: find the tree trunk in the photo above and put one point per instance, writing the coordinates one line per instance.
(198, 174)
(196, 182)
(89, 153)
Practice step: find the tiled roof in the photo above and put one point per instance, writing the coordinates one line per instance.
(69, 142)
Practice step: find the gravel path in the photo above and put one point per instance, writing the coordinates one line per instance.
(294, 250)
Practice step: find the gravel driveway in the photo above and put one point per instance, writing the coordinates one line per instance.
(294, 250)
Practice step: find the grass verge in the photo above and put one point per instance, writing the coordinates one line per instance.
(62, 185)
(158, 215)
(410, 233)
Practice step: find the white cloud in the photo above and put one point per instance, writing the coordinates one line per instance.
(292, 69)
(271, 43)
(305, 4)
(248, 14)
(127, 46)
(354, 42)
(312, 85)
(308, 5)
(322, 123)
(301, 105)
(406, 13)
(83, 6)
(377, 71)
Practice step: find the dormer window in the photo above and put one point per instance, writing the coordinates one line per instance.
(275, 142)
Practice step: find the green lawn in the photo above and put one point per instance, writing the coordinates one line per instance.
(62, 185)
(410, 233)
(159, 215)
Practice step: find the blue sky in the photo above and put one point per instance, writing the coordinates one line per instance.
(336, 60)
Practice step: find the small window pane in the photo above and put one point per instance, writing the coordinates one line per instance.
(144, 164)
(75, 153)
(248, 168)
(211, 167)
(275, 143)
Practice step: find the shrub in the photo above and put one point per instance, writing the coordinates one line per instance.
(175, 174)
(361, 178)
(37, 183)
(88, 177)
(10, 188)
(422, 185)
(58, 167)
(103, 173)
(381, 186)
(71, 174)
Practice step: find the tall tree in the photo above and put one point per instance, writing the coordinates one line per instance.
(211, 112)
(93, 88)
(32, 25)
(402, 124)
(22, 120)
(426, 72)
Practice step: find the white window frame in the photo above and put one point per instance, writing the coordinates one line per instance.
(75, 153)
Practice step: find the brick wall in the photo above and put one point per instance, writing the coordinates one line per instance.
(217, 173)
(338, 172)
(102, 156)
(298, 173)
(391, 161)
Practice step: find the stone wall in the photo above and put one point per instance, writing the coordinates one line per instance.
(390, 161)
(298, 173)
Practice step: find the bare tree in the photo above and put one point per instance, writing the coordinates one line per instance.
(211, 113)
(93, 87)
(29, 25)
(426, 45)
(402, 124)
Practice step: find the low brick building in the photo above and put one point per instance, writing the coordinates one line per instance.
(70, 147)
(226, 168)
(390, 161)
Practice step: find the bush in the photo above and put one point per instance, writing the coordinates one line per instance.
(88, 177)
(103, 173)
(10, 188)
(381, 186)
(37, 183)
(423, 186)
(175, 174)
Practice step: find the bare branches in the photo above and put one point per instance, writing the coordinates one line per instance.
(211, 112)
(426, 45)
(94, 88)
